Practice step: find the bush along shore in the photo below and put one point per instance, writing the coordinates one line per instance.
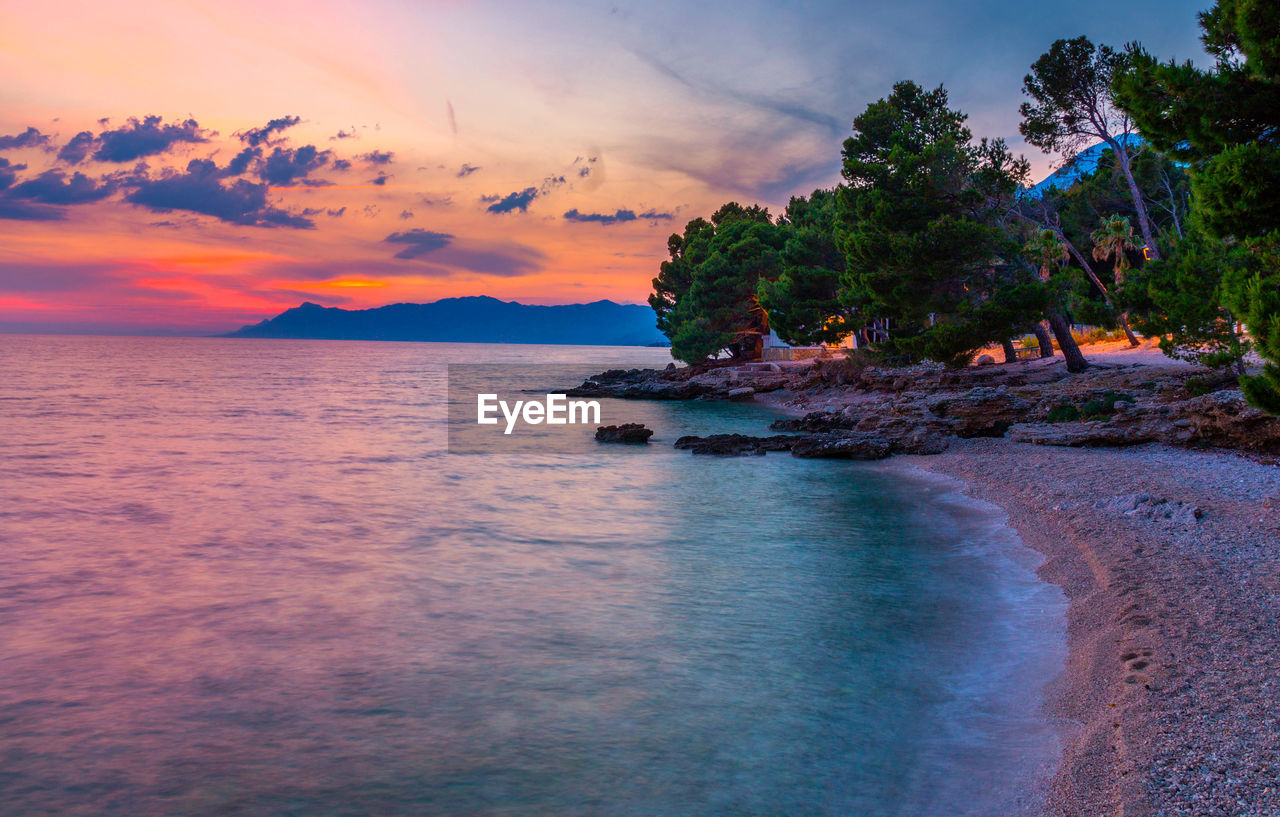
(1153, 493)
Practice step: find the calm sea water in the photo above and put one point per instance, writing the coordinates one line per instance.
(243, 577)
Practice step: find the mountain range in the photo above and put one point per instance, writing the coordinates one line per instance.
(477, 319)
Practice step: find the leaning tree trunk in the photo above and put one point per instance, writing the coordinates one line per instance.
(1144, 219)
(1124, 316)
(1041, 330)
(1128, 333)
(1106, 295)
(1070, 349)
(1010, 354)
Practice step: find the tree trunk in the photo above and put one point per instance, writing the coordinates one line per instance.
(1088, 270)
(1128, 333)
(1144, 220)
(1124, 316)
(1070, 350)
(1010, 355)
(1173, 202)
(1042, 336)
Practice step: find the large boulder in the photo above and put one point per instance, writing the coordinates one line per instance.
(980, 412)
(631, 433)
(920, 441)
(1223, 418)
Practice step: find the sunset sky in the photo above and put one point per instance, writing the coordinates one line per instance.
(186, 166)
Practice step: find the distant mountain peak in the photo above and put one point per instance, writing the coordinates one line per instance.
(1082, 164)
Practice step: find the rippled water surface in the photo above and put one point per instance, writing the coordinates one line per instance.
(243, 577)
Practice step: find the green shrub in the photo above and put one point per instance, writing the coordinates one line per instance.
(1104, 406)
(1096, 409)
(1198, 386)
(1063, 413)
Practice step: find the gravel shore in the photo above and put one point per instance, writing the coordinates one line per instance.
(1170, 703)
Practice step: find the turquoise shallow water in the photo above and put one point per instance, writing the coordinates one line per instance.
(246, 577)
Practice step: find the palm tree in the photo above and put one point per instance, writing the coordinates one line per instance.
(1046, 251)
(1115, 238)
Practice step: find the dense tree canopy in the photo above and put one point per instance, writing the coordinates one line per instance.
(934, 233)
(705, 293)
(803, 303)
(1225, 122)
(922, 227)
(1179, 299)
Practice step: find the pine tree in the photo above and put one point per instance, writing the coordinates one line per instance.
(1072, 104)
(921, 225)
(803, 303)
(705, 294)
(1224, 123)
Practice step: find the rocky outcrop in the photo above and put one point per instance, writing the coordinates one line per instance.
(841, 447)
(981, 412)
(847, 445)
(818, 422)
(918, 409)
(1220, 419)
(1223, 418)
(1077, 434)
(714, 383)
(631, 433)
(638, 384)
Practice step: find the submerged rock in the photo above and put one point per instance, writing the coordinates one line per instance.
(735, 445)
(845, 446)
(631, 433)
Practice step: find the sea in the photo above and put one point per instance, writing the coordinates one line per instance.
(252, 577)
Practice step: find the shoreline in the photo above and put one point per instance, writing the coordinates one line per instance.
(1153, 494)
(1162, 712)
(1027, 672)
